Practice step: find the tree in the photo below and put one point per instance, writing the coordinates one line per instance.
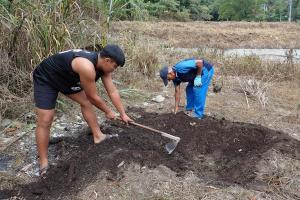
(198, 10)
(296, 10)
(239, 9)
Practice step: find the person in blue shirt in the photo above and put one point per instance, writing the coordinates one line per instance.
(198, 73)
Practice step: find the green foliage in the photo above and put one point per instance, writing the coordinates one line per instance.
(296, 9)
(199, 10)
(179, 10)
(184, 10)
(275, 10)
(239, 9)
(130, 10)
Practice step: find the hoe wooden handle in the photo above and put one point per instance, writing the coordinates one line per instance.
(157, 131)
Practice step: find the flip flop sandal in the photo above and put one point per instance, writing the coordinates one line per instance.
(43, 172)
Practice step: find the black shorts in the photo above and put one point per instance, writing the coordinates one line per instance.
(44, 94)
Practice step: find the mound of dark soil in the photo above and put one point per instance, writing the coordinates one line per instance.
(221, 151)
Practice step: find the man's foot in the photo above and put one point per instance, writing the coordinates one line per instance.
(104, 137)
(43, 171)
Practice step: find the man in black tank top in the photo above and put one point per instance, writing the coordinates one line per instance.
(74, 73)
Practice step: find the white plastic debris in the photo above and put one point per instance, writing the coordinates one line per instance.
(158, 99)
(192, 123)
(121, 164)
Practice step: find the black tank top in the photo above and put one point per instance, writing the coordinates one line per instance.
(57, 71)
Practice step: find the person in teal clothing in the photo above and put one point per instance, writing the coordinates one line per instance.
(198, 73)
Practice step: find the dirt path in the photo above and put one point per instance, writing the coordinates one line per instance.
(221, 151)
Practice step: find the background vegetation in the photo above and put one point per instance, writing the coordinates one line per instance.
(215, 10)
(32, 30)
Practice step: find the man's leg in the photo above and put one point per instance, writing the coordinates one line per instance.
(200, 94)
(42, 132)
(89, 115)
(189, 97)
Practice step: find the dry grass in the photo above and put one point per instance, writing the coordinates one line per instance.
(142, 62)
(28, 35)
(15, 85)
(281, 173)
(217, 34)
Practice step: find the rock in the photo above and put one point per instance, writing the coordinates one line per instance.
(217, 88)
(145, 104)
(78, 118)
(158, 99)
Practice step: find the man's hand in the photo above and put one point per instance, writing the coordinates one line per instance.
(175, 110)
(110, 115)
(197, 81)
(126, 119)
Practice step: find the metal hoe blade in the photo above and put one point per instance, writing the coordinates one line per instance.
(171, 146)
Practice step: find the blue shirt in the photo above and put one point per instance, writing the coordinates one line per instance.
(186, 70)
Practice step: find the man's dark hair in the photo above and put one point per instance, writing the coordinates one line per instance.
(114, 52)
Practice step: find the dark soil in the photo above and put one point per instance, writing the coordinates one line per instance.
(219, 151)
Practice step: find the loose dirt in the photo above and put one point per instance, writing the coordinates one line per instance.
(220, 151)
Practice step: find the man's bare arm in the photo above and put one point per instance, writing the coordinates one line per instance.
(177, 98)
(113, 93)
(87, 74)
(199, 64)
